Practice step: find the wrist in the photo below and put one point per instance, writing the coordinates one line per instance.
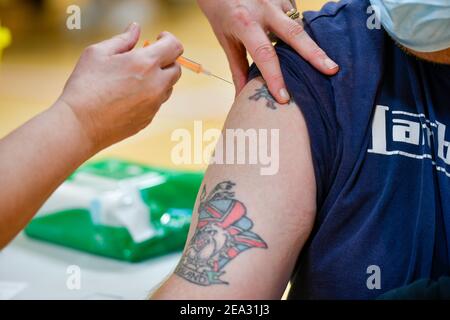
(74, 130)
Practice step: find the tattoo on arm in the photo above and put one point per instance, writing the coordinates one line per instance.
(223, 232)
(263, 93)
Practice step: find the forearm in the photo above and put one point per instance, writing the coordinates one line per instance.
(35, 159)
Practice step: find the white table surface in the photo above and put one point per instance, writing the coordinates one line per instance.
(42, 267)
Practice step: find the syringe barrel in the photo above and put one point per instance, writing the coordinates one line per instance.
(189, 64)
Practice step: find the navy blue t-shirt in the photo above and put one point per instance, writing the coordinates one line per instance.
(380, 141)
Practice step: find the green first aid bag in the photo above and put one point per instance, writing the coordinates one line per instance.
(120, 209)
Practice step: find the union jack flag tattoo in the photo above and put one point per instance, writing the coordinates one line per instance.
(223, 232)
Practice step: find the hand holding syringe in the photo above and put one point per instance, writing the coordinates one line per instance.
(192, 65)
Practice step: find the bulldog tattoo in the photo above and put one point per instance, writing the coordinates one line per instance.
(223, 232)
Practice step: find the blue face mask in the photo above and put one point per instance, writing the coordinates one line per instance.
(421, 25)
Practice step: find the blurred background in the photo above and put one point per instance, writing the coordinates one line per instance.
(33, 70)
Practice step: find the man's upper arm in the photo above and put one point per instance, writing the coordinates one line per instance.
(250, 220)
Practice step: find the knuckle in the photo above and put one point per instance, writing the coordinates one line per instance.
(241, 15)
(177, 46)
(295, 30)
(317, 52)
(149, 62)
(141, 65)
(265, 52)
(275, 78)
(173, 44)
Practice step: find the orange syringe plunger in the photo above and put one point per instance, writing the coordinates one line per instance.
(189, 64)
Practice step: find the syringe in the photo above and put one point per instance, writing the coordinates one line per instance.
(193, 66)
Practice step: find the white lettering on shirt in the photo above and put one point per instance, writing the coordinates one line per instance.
(409, 135)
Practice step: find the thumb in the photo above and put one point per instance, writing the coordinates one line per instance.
(237, 58)
(123, 42)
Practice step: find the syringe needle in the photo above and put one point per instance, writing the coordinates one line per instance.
(215, 76)
(221, 78)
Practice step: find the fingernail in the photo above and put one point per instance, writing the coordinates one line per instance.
(285, 95)
(131, 27)
(330, 64)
